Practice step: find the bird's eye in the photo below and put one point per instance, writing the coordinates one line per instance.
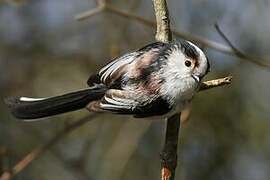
(188, 63)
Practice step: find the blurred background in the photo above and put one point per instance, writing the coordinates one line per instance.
(44, 51)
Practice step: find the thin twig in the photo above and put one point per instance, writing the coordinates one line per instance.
(89, 13)
(215, 83)
(125, 14)
(226, 39)
(34, 154)
(238, 52)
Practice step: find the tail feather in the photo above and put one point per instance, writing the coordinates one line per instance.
(31, 108)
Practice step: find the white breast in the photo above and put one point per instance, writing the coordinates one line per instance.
(179, 87)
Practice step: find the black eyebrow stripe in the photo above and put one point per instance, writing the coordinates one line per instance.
(189, 50)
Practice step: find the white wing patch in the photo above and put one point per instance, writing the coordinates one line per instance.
(117, 103)
(114, 101)
(108, 71)
(118, 100)
(31, 99)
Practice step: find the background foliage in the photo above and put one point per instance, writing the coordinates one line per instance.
(44, 52)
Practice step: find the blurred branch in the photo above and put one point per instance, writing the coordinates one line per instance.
(122, 141)
(34, 154)
(119, 12)
(231, 50)
(101, 5)
(90, 13)
(239, 53)
(215, 83)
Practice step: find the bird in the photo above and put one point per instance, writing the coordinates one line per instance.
(159, 79)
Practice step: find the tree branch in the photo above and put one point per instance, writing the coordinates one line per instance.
(89, 13)
(215, 83)
(238, 52)
(101, 5)
(34, 154)
(168, 155)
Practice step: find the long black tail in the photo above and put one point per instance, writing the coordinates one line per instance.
(30, 108)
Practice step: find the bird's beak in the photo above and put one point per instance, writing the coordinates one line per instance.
(196, 78)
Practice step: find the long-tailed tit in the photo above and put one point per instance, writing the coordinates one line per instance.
(156, 80)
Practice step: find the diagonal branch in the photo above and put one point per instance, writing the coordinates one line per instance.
(34, 154)
(90, 13)
(101, 5)
(238, 52)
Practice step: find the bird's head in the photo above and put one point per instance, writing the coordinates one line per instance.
(189, 60)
